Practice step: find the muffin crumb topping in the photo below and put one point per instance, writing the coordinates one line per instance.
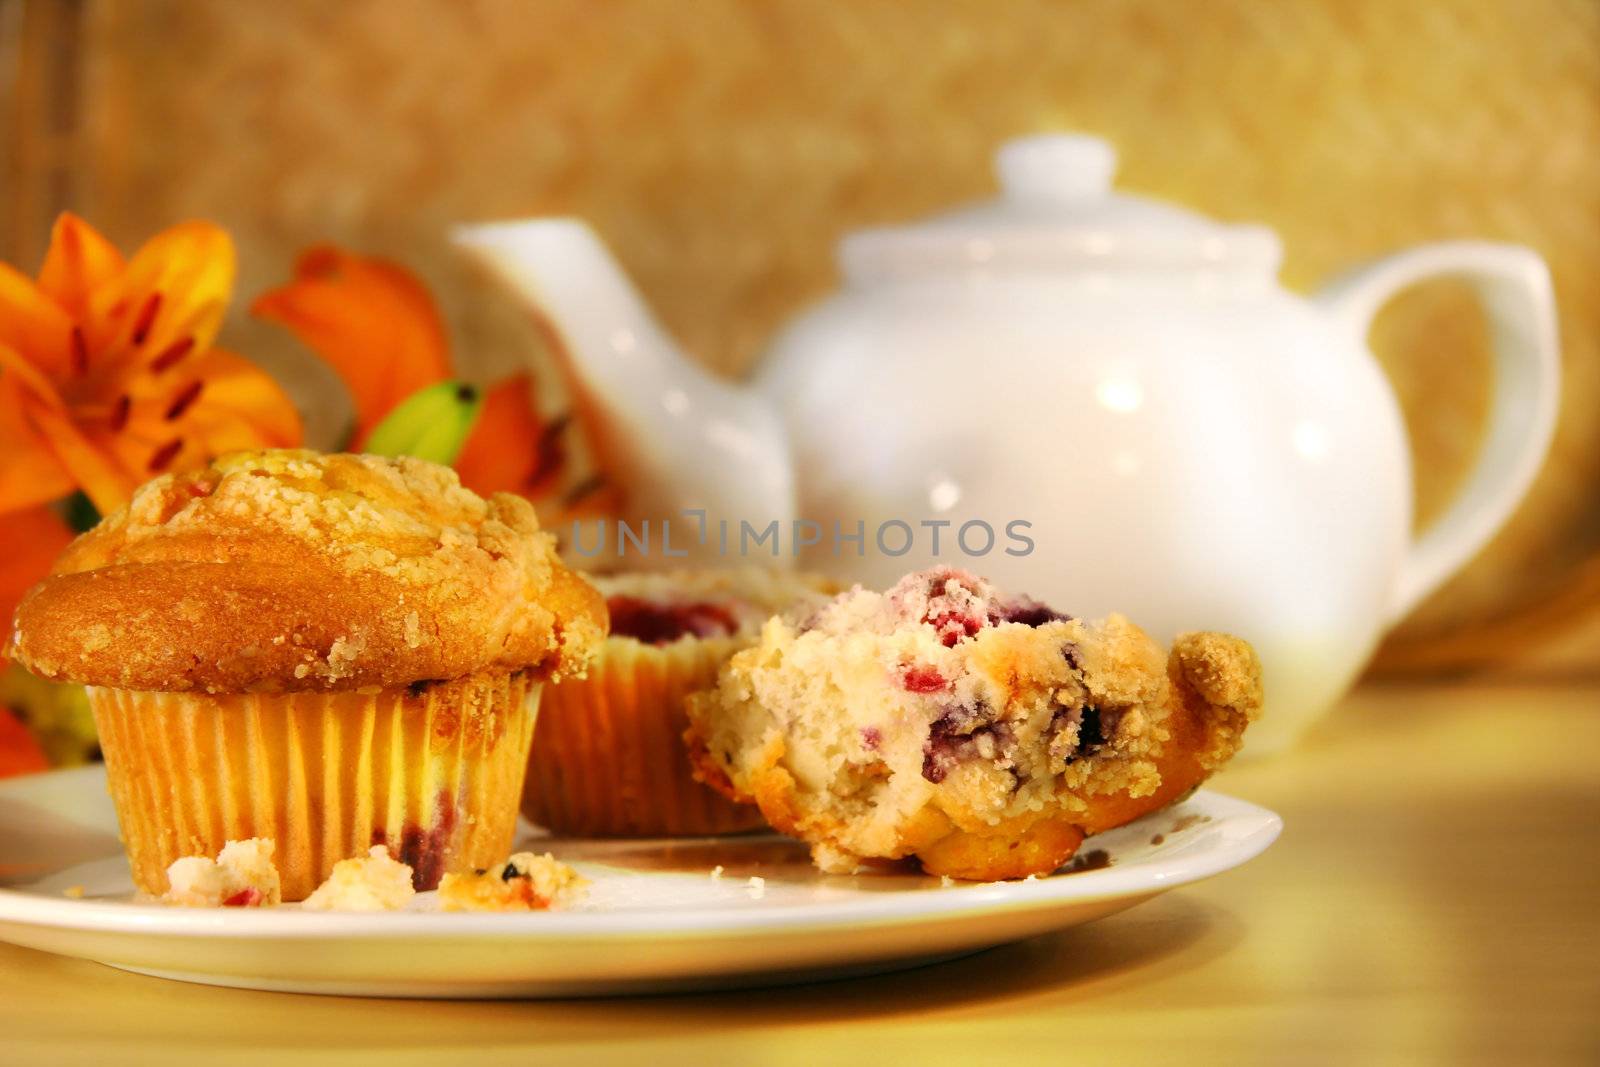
(242, 876)
(295, 570)
(526, 882)
(374, 882)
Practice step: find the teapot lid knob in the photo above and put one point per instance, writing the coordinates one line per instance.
(1059, 213)
(1056, 167)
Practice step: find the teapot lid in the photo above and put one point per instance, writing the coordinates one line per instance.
(1056, 212)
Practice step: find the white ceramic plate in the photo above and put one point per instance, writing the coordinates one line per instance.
(655, 918)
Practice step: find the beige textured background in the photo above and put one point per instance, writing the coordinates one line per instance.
(723, 146)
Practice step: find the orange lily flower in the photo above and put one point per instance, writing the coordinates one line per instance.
(108, 374)
(33, 537)
(372, 321)
(376, 325)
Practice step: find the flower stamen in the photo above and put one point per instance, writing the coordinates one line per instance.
(584, 489)
(184, 400)
(80, 352)
(171, 354)
(147, 319)
(164, 455)
(551, 454)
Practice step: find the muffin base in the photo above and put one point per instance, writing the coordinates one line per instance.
(432, 771)
(610, 759)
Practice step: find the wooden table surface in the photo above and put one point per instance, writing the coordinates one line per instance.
(1433, 899)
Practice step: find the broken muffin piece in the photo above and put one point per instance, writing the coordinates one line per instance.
(242, 876)
(525, 882)
(374, 882)
(983, 734)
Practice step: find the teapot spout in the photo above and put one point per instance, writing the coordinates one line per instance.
(672, 436)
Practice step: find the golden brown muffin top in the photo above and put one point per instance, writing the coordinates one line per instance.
(291, 570)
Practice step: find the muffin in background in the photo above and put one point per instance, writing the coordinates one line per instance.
(327, 651)
(609, 759)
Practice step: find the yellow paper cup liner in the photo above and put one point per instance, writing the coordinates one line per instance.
(432, 771)
(609, 758)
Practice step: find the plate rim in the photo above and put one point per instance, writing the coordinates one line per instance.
(1251, 829)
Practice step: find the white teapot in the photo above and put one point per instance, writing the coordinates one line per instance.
(1117, 389)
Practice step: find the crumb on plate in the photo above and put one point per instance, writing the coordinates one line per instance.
(526, 882)
(374, 882)
(242, 876)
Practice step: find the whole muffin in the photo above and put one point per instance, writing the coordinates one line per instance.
(609, 759)
(983, 734)
(330, 651)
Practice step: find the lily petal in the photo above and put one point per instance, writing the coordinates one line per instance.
(107, 485)
(79, 262)
(238, 405)
(174, 290)
(29, 379)
(371, 320)
(32, 324)
(33, 537)
(221, 403)
(30, 474)
(510, 449)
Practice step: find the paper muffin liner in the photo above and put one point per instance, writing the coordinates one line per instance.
(432, 771)
(609, 759)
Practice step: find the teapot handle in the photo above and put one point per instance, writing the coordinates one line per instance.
(1514, 285)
